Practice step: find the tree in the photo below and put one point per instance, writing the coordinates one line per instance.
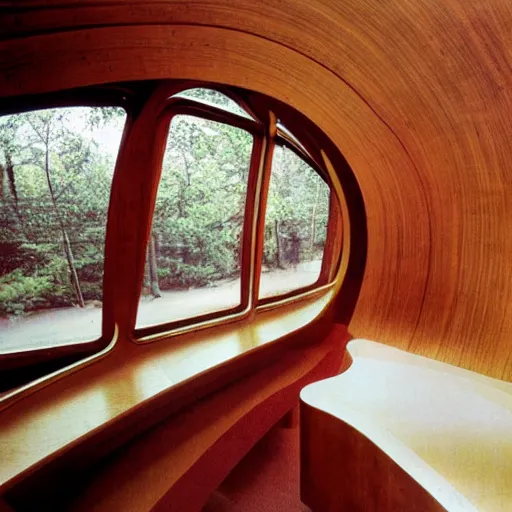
(200, 206)
(53, 202)
(55, 178)
(298, 202)
(153, 268)
(57, 142)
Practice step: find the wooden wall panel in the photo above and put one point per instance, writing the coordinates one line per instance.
(414, 93)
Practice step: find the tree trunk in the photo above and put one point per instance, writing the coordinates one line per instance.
(65, 239)
(313, 219)
(153, 268)
(9, 171)
(147, 281)
(278, 245)
(11, 186)
(72, 269)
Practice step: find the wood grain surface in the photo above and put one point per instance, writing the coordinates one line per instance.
(414, 93)
(135, 386)
(177, 465)
(341, 469)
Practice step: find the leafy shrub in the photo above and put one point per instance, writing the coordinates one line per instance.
(18, 255)
(92, 291)
(183, 275)
(20, 293)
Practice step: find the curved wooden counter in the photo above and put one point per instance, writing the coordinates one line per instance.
(58, 431)
(399, 432)
(179, 463)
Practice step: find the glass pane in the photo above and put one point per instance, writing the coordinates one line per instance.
(194, 255)
(56, 168)
(215, 98)
(295, 225)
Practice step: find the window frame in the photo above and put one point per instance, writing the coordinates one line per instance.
(266, 135)
(149, 100)
(178, 105)
(24, 365)
(326, 274)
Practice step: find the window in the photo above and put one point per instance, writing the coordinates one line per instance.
(210, 224)
(218, 212)
(295, 225)
(56, 168)
(194, 255)
(242, 216)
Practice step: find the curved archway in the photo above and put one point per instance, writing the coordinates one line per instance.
(413, 96)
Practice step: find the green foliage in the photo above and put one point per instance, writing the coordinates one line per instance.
(55, 175)
(200, 206)
(61, 170)
(180, 275)
(20, 293)
(214, 98)
(298, 203)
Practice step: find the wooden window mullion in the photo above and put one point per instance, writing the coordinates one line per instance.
(265, 170)
(251, 222)
(333, 242)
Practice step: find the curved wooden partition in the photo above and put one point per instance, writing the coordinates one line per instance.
(415, 94)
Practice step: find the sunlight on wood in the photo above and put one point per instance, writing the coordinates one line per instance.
(67, 411)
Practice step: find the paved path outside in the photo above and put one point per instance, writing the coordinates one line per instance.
(54, 327)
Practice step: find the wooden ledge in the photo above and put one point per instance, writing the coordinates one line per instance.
(71, 422)
(178, 464)
(441, 429)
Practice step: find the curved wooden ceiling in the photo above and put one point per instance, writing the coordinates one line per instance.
(413, 92)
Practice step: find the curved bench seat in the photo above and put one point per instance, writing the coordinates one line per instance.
(398, 431)
(178, 463)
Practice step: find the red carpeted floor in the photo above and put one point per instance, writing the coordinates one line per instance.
(266, 480)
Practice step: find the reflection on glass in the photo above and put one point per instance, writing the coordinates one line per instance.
(295, 225)
(56, 168)
(194, 254)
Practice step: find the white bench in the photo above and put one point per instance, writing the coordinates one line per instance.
(401, 432)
